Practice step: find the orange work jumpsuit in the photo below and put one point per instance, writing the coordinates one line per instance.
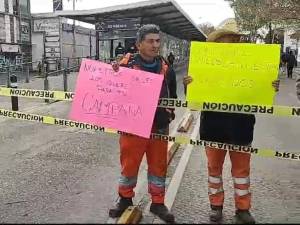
(133, 149)
(231, 128)
(240, 173)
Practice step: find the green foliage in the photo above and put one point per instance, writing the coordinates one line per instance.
(271, 14)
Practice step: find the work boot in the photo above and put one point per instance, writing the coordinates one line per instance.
(215, 214)
(121, 206)
(244, 217)
(162, 212)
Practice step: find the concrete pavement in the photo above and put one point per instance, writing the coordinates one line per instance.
(63, 175)
(53, 174)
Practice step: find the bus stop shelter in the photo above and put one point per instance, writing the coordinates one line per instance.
(126, 19)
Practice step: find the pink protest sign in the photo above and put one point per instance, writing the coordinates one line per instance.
(125, 100)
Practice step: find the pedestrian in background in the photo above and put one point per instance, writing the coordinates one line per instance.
(282, 64)
(291, 63)
(230, 128)
(39, 67)
(132, 49)
(120, 50)
(171, 59)
(132, 147)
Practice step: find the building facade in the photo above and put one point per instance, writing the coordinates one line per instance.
(15, 31)
(53, 40)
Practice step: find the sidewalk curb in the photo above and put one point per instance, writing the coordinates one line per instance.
(171, 151)
(177, 176)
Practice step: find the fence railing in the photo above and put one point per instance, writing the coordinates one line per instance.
(41, 66)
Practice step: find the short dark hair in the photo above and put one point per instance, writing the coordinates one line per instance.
(146, 29)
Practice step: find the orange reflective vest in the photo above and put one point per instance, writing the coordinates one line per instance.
(163, 116)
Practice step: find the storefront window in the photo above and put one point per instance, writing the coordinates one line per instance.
(2, 29)
(105, 50)
(24, 7)
(2, 6)
(25, 31)
(16, 7)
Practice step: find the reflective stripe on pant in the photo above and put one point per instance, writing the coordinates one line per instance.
(132, 151)
(240, 172)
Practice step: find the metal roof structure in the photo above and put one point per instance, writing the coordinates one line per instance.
(166, 13)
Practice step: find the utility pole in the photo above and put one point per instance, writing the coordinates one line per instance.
(74, 33)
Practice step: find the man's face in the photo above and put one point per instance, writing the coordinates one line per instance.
(229, 39)
(149, 47)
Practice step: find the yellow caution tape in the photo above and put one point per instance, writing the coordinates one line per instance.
(167, 103)
(42, 94)
(176, 139)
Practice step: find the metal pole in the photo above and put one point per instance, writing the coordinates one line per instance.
(68, 65)
(14, 99)
(46, 86)
(43, 68)
(90, 44)
(27, 74)
(44, 55)
(97, 45)
(65, 77)
(74, 33)
(22, 66)
(8, 76)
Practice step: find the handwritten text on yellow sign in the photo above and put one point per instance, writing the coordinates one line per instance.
(233, 73)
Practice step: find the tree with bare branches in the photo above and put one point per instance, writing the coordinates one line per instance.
(207, 28)
(271, 14)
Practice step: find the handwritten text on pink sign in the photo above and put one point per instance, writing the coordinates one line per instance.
(125, 100)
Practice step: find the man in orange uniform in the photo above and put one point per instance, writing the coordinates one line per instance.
(133, 147)
(230, 128)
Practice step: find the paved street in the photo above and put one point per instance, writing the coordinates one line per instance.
(275, 182)
(53, 174)
(54, 170)
(62, 175)
(21, 77)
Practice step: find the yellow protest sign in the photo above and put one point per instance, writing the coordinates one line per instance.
(233, 72)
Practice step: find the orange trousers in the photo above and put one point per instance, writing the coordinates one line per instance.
(133, 149)
(240, 171)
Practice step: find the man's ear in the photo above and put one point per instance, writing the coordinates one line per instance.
(137, 45)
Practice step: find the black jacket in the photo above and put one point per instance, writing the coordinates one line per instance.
(291, 61)
(169, 89)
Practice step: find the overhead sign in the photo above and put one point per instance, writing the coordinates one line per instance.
(47, 25)
(119, 24)
(116, 34)
(233, 73)
(125, 100)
